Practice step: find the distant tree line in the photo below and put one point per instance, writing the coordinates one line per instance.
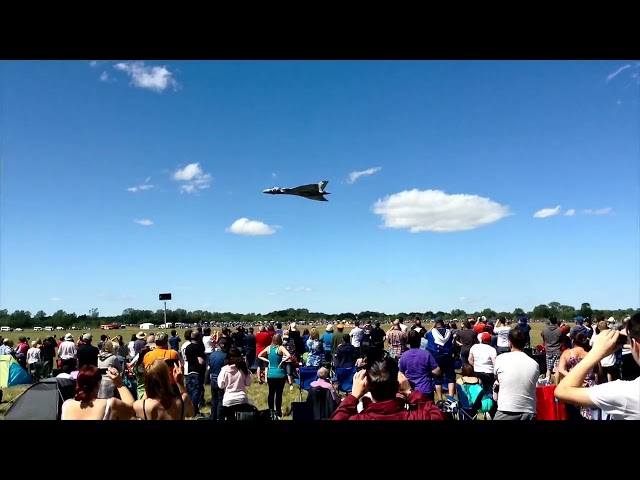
(24, 319)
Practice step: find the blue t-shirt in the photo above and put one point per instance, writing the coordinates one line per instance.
(216, 362)
(174, 343)
(417, 365)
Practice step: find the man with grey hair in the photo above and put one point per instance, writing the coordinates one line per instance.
(5, 348)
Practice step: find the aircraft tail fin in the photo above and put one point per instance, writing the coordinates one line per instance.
(321, 185)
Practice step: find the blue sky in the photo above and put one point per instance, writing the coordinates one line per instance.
(122, 180)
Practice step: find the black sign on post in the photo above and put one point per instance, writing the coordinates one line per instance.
(164, 297)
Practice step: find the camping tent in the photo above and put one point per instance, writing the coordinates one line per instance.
(11, 373)
(42, 400)
(147, 326)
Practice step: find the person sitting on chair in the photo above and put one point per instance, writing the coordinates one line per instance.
(390, 394)
(323, 382)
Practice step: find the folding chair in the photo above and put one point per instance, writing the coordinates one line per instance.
(306, 375)
(466, 411)
(344, 379)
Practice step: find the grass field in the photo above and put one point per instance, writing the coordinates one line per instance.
(257, 393)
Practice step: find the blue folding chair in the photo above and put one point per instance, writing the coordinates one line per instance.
(466, 411)
(306, 375)
(344, 378)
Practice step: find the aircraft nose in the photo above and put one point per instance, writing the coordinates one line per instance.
(265, 191)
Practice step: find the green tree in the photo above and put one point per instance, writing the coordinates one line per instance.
(585, 310)
(542, 311)
(20, 319)
(489, 313)
(554, 307)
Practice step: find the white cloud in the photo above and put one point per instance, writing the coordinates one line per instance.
(274, 175)
(570, 213)
(613, 75)
(244, 226)
(55, 299)
(145, 186)
(104, 77)
(94, 63)
(156, 78)
(547, 212)
(437, 211)
(462, 299)
(297, 289)
(353, 176)
(145, 222)
(194, 178)
(601, 211)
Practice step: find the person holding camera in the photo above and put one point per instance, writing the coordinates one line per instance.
(619, 399)
(391, 394)
(86, 405)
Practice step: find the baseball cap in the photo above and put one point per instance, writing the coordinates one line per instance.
(486, 337)
(162, 337)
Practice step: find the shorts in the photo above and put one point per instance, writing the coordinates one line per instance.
(447, 371)
(552, 362)
(288, 368)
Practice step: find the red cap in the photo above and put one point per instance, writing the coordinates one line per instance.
(486, 337)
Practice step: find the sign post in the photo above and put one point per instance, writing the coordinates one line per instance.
(163, 298)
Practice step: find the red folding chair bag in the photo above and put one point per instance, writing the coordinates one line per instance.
(548, 407)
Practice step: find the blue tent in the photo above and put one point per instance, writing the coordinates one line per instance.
(11, 373)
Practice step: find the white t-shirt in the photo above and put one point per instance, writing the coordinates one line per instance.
(482, 355)
(620, 399)
(503, 336)
(609, 360)
(356, 336)
(183, 353)
(403, 327)
(208, 344)
(517, 374)
(33, 355)
(67, 350)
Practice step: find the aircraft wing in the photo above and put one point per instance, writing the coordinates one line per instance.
(304, 189)
(319, 198)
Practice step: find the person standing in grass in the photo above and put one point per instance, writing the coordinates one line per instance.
(263, 340)
(276, 356)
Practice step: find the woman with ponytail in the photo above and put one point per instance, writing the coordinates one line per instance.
(87, 406)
